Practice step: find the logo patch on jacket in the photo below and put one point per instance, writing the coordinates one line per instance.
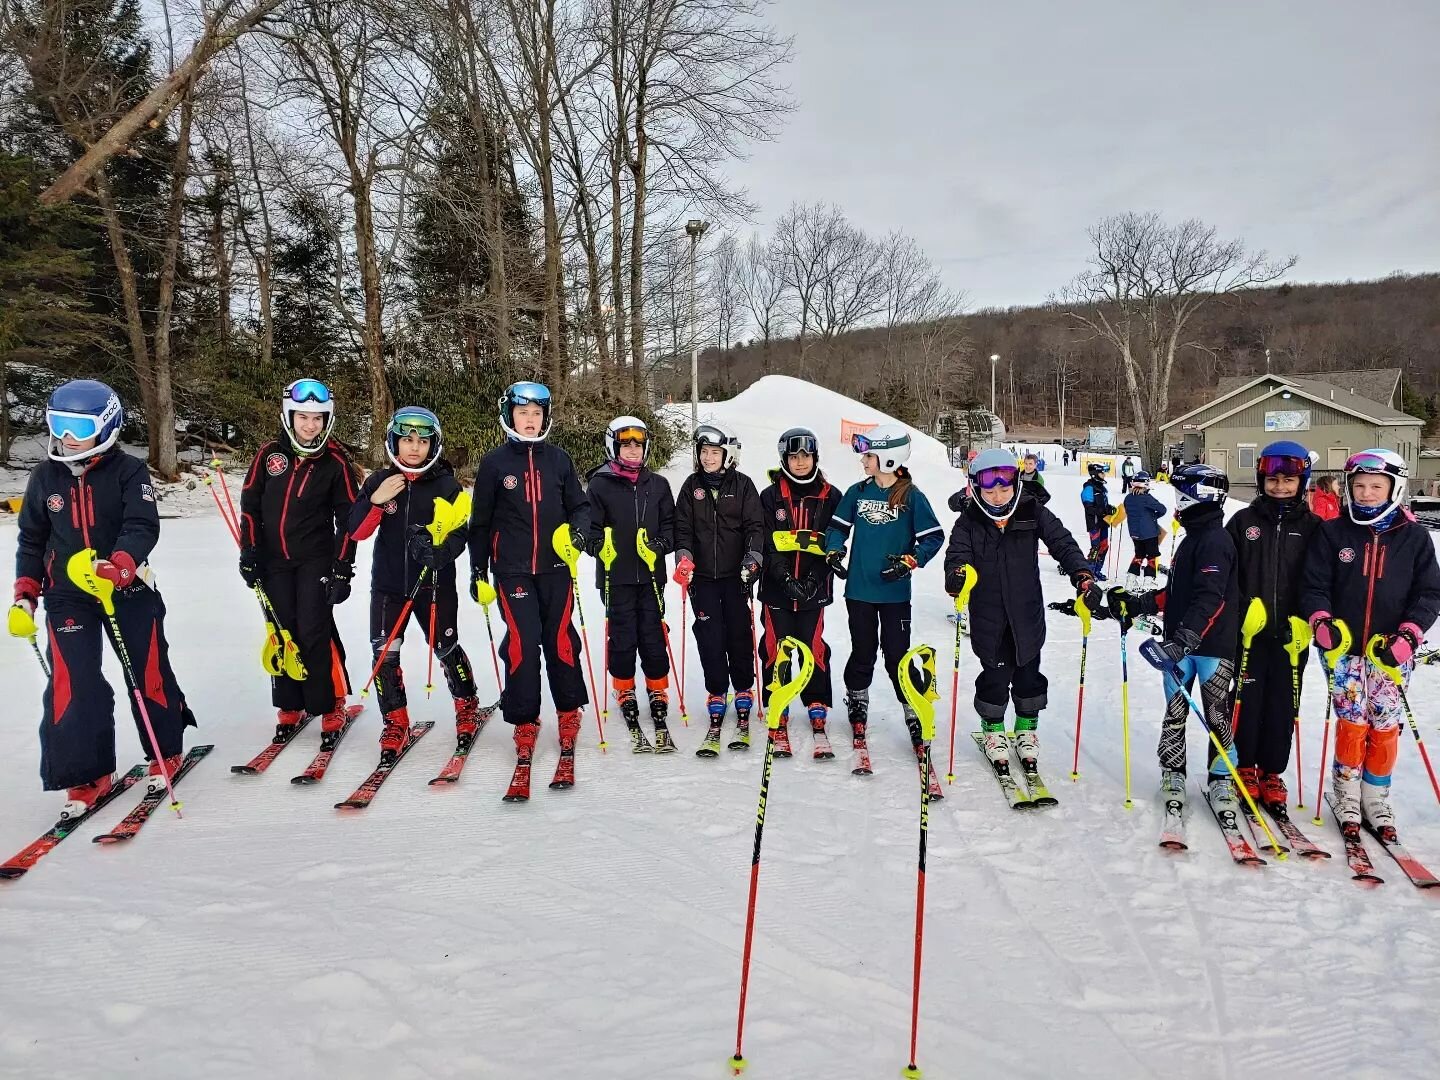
(147, 493)
(55, 503)
(391, 506)
(276, 464)
(699, 494)
(780, 514)
(1213, 568)
(877, 511)
(1252, 533)
(519, 593)
(1347, 555)
(510, 483)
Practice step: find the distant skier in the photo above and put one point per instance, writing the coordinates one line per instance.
(1142, 512)
(1032, 479)
(1095, 498)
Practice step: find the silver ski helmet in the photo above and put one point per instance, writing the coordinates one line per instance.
(990, 469)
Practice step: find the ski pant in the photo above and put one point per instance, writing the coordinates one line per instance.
(385, 609)
(77, 731)
(1147, 556)
(809, 627)
(1099, 545)
(298, 596)
(1003, 680)
(724, 634)
(536, 609)
(635, 627)
(872, 627)
(1267, 707)
(1214, 676)
(1368, 714)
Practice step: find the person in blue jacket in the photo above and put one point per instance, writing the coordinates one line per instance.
(1142, 512)
(1095, 498)
(892, 532)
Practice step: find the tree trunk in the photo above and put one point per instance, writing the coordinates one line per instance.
(373, 337)
(264, 259)
(130, 300)
(4, 414)
(161, 421)
(637, 246)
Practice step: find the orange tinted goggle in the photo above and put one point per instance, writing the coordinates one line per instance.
(631, 434)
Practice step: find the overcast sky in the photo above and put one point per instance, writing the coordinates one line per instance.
(997, 131)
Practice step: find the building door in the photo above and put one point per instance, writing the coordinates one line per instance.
(1335, 458)
(1219, 458)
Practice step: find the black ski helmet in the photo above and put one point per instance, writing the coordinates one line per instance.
(798, 440)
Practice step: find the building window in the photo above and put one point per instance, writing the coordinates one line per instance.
(1245, 456)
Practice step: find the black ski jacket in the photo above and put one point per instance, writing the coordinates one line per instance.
(1271, 539)
(523, 492)
(391, 568)
(1204, 590)
(1007, 574)
(719, 526)
(1374, 581)
(294, 509)
(624, 508)
(109, 506)
(1097, 507)
(786, 506)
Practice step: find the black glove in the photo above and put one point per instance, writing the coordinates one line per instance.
(898, 567)
(1084, 582)
(337, 584)
(1065, 607)
(801, 590)
(477, 575)
(250, 569)
(657, 544)
(1141, 603)
(955, 581)
(836, 561)
(1181, 645)
(422, 548)
(749, 568)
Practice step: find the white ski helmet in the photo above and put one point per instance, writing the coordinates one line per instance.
(624, 428)
(890, 443)
(311, 396)
(1376, 463)
(725, 440)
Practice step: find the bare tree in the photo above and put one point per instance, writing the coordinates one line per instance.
(762, 289)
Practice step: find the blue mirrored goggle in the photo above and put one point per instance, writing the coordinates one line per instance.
(999, 476)
(302, 391)
(530, 393)
(76, 425)
(860, 443)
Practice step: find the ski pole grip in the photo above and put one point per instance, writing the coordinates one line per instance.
(566, 549)
(607, 550)
(921, 698)
(1332, 657)
(963, 600)
(1300, 638)
(643, 549)
(1255, 620)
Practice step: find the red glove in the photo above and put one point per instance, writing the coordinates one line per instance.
(1400, 647)
(119, 569)
(684, 570)
(27, 593)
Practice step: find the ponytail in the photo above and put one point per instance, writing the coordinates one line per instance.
(900, 490)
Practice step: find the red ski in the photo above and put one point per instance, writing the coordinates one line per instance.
(263, 760)
(315, 771)
(130, 824)
(463, 745)
(17, 865)
(1418, 875)
(363, 795)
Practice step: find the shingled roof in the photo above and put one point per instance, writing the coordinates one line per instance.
(1379, 385)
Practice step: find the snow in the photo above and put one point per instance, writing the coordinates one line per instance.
(596, 933)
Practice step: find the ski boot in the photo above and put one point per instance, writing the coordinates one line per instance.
(997, 746)
(1346, 798)
(1272, 791)
(1172, 787)
(1250, 777)
(288, 725)
(467, 723)
(630, 711)
(79, 800)
(1221, 794)
(568, 723)
(1378, 813)
(157, 775)
(525, 736)
(394, 734)
(332, 726)
(857, 708)
(781, 736)
(659, 711)
(715, 705)
(744, 702)
(818, 714)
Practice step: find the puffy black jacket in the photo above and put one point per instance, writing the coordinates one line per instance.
(109, 506)
(1007, 574)
(1374, 581)
(719, 526)
(391, 568)
(294, 509)
(524, 491)
(623, 507)
(786, 506)
(1204, 590)
(1271, 539)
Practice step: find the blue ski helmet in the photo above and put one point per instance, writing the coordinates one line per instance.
(1283, 458)
(413, 420)
(1197, 484)
(83, 409)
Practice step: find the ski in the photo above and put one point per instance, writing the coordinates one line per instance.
(781, 735)
(463, 745)
(564, 771)
(639, 744)
(1418, 875)
(1018, 800)
(130, 824)
(1257, 832)
(936, 791)
(263, 760)
(315, 771)
(1172, 826)
(741, 741)
(363, 794)
(1300, 844)
(711, 746)
(1039, 793)
(1240, 849)
(1356, 857)
(823, 751)
(519, 789)
(17, 865)
(862, 758)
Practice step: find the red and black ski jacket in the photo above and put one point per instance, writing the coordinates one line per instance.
(295, 509)
(524, 491)
(392, 570)
(624, 507)
(790, 507)
(1373, 581)
(108, 506)
(719, 525)
(1271, 540)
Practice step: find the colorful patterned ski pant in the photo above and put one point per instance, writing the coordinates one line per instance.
(1368, 712)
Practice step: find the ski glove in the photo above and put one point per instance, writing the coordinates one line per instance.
(749, 568)
(1400, 647)
(1181, 645)
(836, 561)
(898, 567)
(337, 585)
(250, 570)
(27, 592)
(801, 590)
(1141, 603)
(119, 569)
(955, 580)
(1326, 630)
(481, 591)
(1085, 586)
(684, 569)
(422, 548)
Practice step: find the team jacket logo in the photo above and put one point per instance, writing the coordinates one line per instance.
(699, 495)
(510, 483)
(780, 514)
(1252, 533)
(55, 503)
(519, 593)
(147, 493)
(1347, 555)
(276, 464)
(391, 506)
(877, 511)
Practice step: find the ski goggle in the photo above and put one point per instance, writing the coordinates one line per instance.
(860, 443)
(1275, 465)
(302, 391)
(529, 393)
(419, 426)
(998, 476)
(1371, 463)
(78, 426)
(638, 436)
(800, 444)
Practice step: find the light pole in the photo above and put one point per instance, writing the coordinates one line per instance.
(694, 228)
(994, 359)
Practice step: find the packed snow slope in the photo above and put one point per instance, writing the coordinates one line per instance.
(596, 933)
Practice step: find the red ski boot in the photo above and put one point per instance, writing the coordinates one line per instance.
(80, 799)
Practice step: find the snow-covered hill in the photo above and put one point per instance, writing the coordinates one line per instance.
(596, 933)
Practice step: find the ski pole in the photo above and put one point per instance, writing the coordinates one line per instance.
(647, 555)
(1299, 641)
(1174, 532)
(1125, 695)
(1150, 649)
(781, 694)
(1254, 622)
(962, 607)
(564, 545)
(81, 570)
(430, 660)
(494, 652)
(1329, 660)
(1083, 610)
(1372, 653)
(684, 622)
(921, 699)
(230, 523)
(22, 624)
(279, 655)
(755, 653)
(225, 487)
(394, 630)
(607, 560)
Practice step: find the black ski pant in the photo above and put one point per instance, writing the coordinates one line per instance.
(298, 596)
(536, 609)
(385, 609)
(635, 628)
(1146, 557)
(77, 731)
(724, 636)
(876, 627)
(1267, 707)
(1002, 680)
(809, 627)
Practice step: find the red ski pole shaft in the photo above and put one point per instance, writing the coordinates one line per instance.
(912, 1070)
(684, 620)
(737, 1062)
(225, 487)
(394, 630)
(233, 528)
(430, 662)
(1079, 707)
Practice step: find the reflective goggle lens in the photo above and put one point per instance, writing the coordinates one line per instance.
(800, 444)
(306, 390)
(530, 393)
(860, 443)
(635, 435)
(72, 424)
(1283, 466)
(1000, 476)
(420, 428)
(1370, 462)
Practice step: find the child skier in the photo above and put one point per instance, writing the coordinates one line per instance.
(1271, 537)
(90, 494)
(395, 505)
(798, 583)
(719, 537)
(998, 534)
(626, 497)
(893, 532)
(294, 542)
(525, 489)
(1096, 500)
(1200, 603)
(1374, 569)
(1142, 513)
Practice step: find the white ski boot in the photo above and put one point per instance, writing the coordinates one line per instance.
(997, 748)
(1027, 745)
(1346, 794)
(1222, 795)
(1375, 806)
(1172, 786)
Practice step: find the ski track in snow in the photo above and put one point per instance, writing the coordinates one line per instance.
(596, 933)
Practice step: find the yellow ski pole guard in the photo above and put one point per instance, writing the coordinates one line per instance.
(448, 517)
(21, 623)
(782, 694)
(1082, 609)
(565, 547)
(1255, 620)
(921, 698)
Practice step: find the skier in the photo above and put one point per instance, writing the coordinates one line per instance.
(1374, 569)
(1127, 471)
(293, 541)
(91, 494)
(1032, 483)
(1271, 537)
(1200, 603)
(798, 584)
(894, 534)
(395, 505)
(719, 538)
(996, 534)
(1142, 513)
(626, 497)
(1325, 499)
(525, 489)
(1095, 498)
